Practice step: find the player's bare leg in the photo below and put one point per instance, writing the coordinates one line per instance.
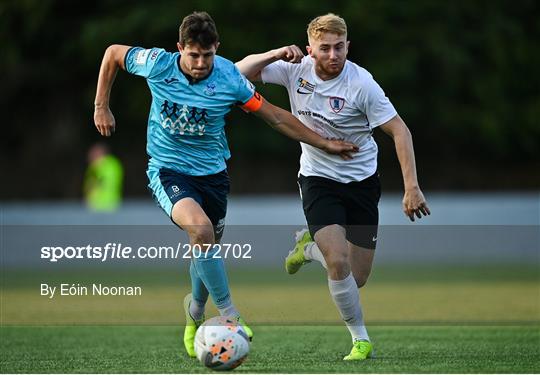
(331, 241)
(361, 260)
(189, 215)
(207, 273)
(334, 247)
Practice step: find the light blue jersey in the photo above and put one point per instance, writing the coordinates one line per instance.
(187, 120)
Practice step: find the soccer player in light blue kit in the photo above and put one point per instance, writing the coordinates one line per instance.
(192, 91)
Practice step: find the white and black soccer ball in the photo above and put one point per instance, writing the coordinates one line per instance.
(221, 343)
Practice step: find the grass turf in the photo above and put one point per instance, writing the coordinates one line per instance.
(276, 349)
(411, 295)
(419, 319)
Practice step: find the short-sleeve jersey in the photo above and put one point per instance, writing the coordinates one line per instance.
(348, 106)
(187, 119)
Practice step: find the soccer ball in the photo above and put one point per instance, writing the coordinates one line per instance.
(221, 343)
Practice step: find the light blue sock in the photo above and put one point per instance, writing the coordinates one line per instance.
(212, 272)
(199, 294)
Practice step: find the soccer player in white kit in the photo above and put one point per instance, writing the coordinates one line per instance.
(339, 99)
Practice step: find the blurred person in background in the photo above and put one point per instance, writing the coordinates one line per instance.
(103, 179)
(338, 99)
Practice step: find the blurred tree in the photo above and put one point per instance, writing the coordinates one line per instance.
(461, 74)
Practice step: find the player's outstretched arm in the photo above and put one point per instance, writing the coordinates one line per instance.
(251, 65)
(284, 122)
(414, 202)
(112, 60)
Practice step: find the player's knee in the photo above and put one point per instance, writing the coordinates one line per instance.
(201, 234)
(338, 263)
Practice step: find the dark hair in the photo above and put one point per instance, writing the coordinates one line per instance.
(198, 28)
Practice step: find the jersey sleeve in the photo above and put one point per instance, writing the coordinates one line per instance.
(245, 89)
(277, 73)
(375, 104)
(146, 63)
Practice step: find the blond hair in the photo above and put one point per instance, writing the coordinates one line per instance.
(329, 23)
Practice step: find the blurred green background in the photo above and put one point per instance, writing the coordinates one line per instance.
(463, 75)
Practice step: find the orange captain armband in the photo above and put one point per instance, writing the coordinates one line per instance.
(253, 104)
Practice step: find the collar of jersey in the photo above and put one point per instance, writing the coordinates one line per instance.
(190, 80)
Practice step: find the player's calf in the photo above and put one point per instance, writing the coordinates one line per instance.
(360, 280)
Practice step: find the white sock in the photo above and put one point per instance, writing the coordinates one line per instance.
(312, 252)
(196, 310)
(229, 310)
(347, 299)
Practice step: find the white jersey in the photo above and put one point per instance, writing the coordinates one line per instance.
(348, 107)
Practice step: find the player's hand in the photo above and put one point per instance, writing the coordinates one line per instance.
(292, 54)
(342, 148)
(104, 120)
(414, 203)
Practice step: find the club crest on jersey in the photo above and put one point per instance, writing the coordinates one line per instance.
(336, 103)
(210, 89)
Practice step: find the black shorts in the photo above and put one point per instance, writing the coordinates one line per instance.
(210, 192)
(353, 205)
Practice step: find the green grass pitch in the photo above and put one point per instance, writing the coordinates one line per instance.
(275, 349)
(421, 320)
